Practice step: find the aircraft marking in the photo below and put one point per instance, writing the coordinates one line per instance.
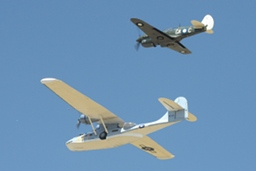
(147, 148)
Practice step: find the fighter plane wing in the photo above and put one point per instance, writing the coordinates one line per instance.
(80, 102)
(151, 147)
(160, 38)
(177, 46)
(157, 36)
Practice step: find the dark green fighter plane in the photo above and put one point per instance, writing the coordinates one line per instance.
(171, 37)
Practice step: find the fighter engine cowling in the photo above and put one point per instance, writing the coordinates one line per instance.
(147, 43)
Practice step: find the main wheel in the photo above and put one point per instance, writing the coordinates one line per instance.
(103, 135)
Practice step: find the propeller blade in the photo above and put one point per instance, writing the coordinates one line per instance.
(137, 46)
(78, 124)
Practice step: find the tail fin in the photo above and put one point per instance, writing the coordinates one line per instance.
(180, 103)
(207, 21)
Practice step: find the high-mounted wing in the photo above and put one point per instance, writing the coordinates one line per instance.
(151, 147)
(160, 38)
(80, 102)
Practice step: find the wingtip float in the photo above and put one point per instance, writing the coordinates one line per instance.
(47, 80)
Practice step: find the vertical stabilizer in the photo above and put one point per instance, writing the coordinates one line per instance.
(182, 101)
(209, 23)
(179, 105)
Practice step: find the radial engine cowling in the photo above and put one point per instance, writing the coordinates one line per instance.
(85, 120)
(147, 42)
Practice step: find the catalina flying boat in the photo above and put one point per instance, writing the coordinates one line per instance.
(111, 130)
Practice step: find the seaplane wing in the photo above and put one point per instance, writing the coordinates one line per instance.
(150, 146)
(160, 38)
(157, 36)
(80, 102)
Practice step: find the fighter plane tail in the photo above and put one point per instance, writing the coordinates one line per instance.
(207, 22)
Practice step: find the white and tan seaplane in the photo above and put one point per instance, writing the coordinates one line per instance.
(111, 131)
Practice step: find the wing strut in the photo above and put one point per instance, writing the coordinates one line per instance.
(103, 124)
(92, 125)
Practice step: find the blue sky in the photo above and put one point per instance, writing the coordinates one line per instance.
(90, 46)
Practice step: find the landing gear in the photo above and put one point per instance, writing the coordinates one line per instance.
(103, 135)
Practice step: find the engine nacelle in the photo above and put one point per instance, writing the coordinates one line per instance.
(85, 120)
(147, 42)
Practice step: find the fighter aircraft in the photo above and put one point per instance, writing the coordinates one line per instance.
(111, 130)
(171, 37)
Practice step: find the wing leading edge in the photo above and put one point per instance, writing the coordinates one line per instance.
(160, 38)
(80, 102)
(150, 146)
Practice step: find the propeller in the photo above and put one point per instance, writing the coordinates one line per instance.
(78, 124)
(137, 45)
(82, 119)
(85, 120)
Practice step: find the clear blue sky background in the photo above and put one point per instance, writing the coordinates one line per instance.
(90, 46)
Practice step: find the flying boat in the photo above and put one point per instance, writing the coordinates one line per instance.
(112, 131)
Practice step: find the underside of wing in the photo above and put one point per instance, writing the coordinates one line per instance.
(80, 102)
(150, 146)
(177, 46)
(158, 37)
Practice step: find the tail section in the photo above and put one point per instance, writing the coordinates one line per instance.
(179, 106)
(207, 22)
(183, 103)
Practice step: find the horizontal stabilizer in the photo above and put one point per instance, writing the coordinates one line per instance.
(197, 24)
(169, 104)
(209, 31)
(180, 103)
(191, 117)
(207, 22)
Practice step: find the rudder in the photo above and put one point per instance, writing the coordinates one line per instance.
(182, 101)
(209, 22)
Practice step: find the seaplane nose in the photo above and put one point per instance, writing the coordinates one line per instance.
(69, 141)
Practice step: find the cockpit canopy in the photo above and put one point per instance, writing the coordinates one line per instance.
(128, 125)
